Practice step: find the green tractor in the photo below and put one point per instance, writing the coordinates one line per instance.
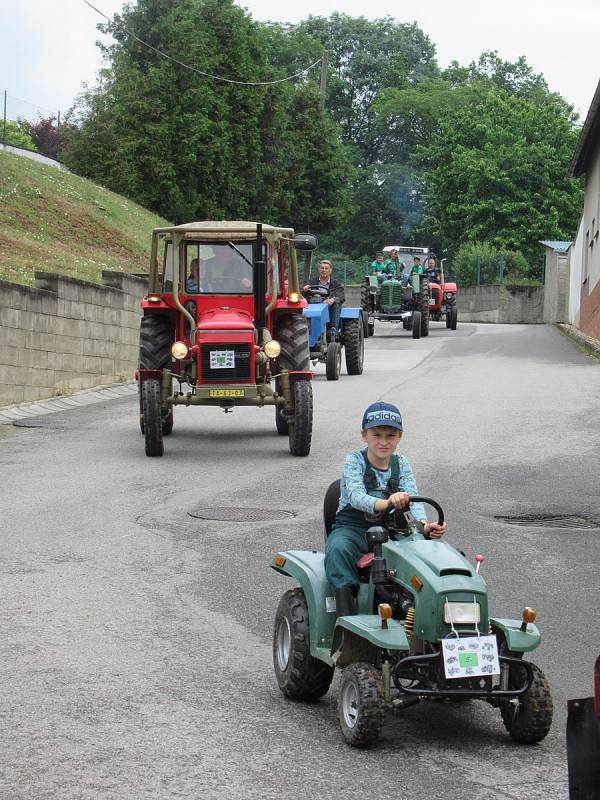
(423, 632)
(401, 298)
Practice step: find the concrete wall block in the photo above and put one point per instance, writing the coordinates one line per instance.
(13, 337)
(111, 316)
(11, 317)
(10, 355)
(68, 344)
(42, 377)
(37, 359)
(8, 374)
(72, 309)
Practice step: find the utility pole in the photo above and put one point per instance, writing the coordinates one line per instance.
(4, 131)
(324, 68)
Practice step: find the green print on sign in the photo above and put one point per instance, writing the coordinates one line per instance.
(468, 660)
(222, 359)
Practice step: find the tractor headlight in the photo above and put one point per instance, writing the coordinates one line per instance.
(179, 350)
(272, 349)
(294, 297)
(449, 295)
(462, 613)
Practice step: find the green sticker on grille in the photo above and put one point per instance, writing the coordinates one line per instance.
(468, 660)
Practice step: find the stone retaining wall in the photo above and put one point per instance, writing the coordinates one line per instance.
(510, 304)
(65, 335)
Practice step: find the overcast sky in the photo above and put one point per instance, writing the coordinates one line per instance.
(47, 47)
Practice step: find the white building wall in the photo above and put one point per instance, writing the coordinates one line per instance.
(576, 268)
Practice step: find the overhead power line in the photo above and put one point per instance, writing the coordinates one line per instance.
(199, 71)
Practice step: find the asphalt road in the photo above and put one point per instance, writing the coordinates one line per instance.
(135, 654)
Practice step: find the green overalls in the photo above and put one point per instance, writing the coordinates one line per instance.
(347, 541)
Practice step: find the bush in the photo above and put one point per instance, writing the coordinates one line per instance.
(464, 266)
(16, 135)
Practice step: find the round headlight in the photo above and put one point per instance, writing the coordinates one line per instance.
(272, 349)
(179, 350)
(449, 295)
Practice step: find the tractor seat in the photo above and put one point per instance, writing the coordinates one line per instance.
(330, 506)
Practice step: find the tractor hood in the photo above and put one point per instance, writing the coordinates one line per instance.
(433, 562)
(224, 319)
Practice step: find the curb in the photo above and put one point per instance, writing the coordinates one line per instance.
(582, 338)
(111, 391)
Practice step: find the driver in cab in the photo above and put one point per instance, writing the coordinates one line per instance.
(336, 293)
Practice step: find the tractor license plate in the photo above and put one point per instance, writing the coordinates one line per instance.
(470, 656)
(226, 393)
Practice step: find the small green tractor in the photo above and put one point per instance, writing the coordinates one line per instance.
(223, 326)
(423, 631)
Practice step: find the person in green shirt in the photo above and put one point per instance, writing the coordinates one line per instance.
(377, 266)
(417, 269)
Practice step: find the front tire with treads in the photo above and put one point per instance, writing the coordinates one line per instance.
(354, 346)
(152, 418)
(300, 425)
(156, 338)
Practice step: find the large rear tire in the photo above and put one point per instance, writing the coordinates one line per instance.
(360, 705)
(156, 338)
(366, 298)
(292, 335)
(333, 361)
(453, 315)
(354, 345)
(299, 675)
(153, 434)
(416, 325)
(529, 720)
(300, 426)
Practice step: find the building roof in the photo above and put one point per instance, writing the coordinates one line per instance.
(560, 247)
(588, 138)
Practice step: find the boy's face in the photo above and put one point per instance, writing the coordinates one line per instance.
(382, 440)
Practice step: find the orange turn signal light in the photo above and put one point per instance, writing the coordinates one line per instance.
(279, 561)
(294, 297)
(418, 584)
(529, 615)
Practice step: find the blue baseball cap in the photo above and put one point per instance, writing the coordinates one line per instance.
(380, 414)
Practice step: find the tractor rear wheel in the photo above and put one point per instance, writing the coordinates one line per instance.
(529, 720)
(354, 344)
(366, 298)
(156, 338)
(416, 325)
(292, 334)
(364, 317)
(152, 417)
(360, 705)
(300, 426)
(452, 318)
(371, 328)
(333, 361)
(299, 675)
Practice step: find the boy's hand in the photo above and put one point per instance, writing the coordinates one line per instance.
(398, 500)
(435, 531)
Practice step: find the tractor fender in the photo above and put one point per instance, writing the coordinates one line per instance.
(308, 568)
(518, 641)
(351, 313)
(361, 637)
(449, 287)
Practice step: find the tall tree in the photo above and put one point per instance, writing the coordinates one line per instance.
(189, 146)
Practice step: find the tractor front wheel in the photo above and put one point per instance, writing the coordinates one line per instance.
(300, 425)
(452, 318)
(292, 335)
(371, 328)
(529, 719)
(333, 361)
(299, 675)
(360, 705)
(416, 325)
(152, 418)
(354, 344)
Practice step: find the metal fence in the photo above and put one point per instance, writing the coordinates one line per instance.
(15, 111)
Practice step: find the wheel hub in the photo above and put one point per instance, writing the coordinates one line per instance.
(284, 643)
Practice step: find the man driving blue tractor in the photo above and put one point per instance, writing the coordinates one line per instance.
(336, 294)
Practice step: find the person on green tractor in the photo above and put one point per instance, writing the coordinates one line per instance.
(377, 265)
(373, 480)
(392, 266)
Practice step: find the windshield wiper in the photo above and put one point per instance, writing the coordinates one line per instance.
(239, 252)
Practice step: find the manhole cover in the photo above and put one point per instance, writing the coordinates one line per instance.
(239, 514)
(550, 521)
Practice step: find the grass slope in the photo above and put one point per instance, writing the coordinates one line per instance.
(57, 222)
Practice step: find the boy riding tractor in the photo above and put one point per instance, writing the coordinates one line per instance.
(222, 326)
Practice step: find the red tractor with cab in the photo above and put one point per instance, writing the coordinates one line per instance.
(222, 326)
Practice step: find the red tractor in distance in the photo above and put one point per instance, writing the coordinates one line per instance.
(442, 299)
(222, 325)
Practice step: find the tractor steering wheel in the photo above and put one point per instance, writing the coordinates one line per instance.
(387, 523)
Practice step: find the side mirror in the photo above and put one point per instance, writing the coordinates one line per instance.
(305, 241)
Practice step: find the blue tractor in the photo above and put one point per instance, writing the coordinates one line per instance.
(326, 345)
